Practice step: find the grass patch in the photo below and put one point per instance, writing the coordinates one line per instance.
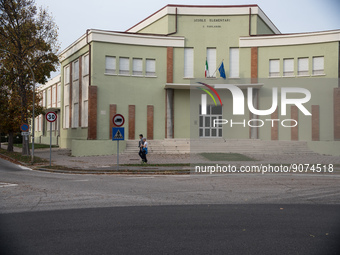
(37, 146)
(226, 157)
(16, 156)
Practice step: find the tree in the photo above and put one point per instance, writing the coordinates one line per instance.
(28, 41)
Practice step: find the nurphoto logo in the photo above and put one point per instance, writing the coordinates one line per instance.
(239, 99)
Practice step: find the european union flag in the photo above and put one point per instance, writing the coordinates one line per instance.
(222, 71)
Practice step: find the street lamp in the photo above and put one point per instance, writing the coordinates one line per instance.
(33, 117)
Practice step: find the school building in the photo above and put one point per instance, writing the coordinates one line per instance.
(156, 72)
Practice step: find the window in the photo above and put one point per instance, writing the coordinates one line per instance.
(150, 66)
(188, 62)
(110, 65)
(234, 63)
(86, 69)
(124, 66)
(54, 96)
(49, 97)
(318, 65)
(67, 117)
(75, 70)
(66, 97)
(67, 75)
(274, 68)
(58, 95)
(75, 115)
(206, 122)
(303, 66)
(44, 98)
(84, 121)
(211, 58)
(137, 66)
(288, 67)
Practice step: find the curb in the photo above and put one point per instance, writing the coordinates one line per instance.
(115, 172)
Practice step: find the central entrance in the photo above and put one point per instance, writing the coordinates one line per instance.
(206, 122)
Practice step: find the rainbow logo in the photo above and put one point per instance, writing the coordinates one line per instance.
(208, 92)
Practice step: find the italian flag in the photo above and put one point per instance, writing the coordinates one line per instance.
(206, 68)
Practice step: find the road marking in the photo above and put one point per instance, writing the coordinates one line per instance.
(24, 168)
(5, 184)
(140, 177)
(80, 180)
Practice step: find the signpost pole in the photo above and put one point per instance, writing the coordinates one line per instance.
(117, 155)
(50, 142)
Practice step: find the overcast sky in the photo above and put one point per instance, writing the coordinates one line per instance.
(73, 17)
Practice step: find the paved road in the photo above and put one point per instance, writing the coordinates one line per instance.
(44, 213)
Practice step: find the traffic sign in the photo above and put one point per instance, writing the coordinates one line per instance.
(25, 133)
(51, 116)
(24, 127)
(118, 120)
(117, 133)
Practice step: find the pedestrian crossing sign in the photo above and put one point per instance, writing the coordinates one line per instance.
(117, 133)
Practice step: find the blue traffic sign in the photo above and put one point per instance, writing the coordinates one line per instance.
(117, 133)
(24, 127)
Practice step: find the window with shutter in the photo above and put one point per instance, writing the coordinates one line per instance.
(188, 62)
(274, 68)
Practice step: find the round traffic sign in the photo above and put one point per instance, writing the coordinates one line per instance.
(51, 116)
(118, 120)
(24, 127)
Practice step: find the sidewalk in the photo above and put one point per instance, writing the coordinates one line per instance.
(62, 157)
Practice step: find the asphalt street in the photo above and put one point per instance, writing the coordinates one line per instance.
(48, 213)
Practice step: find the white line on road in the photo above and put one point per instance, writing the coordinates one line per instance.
(5, 184)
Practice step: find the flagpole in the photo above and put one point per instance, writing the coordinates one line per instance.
(218, 67)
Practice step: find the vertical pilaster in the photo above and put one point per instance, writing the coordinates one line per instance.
(113, 111)
(92, 119)
(336, 107)
(150, 119)
(275, 125)
(170, 65)
(295, 116)
(315, 123)
(169, 114)
(132, 125)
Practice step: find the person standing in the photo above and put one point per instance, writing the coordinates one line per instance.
(144, 150)
(140, 146)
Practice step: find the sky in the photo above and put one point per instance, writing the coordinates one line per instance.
(73, 17)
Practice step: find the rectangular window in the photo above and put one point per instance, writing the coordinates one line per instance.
(288, 67)
(234, 63)
(86, 69)
(150, 67)
(84, 121)
(67, 75)
(189, 62)
(58, 95)
(318, 66)
(303, 66)
(137, 66)
(110, 65)
(75, 115)
(44, 98)
(274, 68)
(54, 96)
(49, 97)
(67, 117)
(124, 66)
(211, 58)
(75, 70)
